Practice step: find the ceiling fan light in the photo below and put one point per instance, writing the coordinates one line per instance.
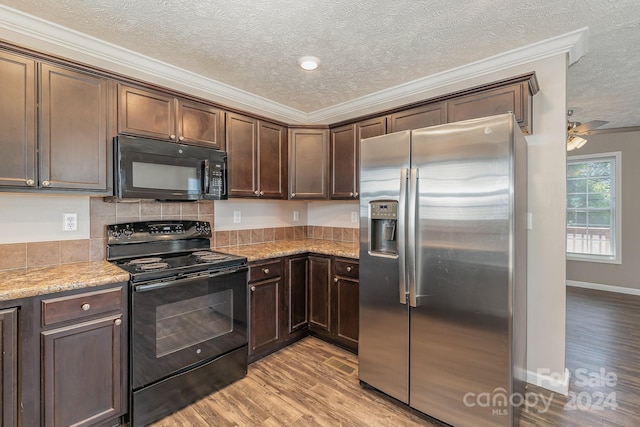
(308, 63)
(575, 142)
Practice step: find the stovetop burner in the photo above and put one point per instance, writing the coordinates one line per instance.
(163, 249)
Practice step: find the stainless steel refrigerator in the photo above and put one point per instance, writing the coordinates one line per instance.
(443, 224)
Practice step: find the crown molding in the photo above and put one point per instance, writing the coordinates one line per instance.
(19, 27)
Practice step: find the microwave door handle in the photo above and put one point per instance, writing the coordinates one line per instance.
(205, 178)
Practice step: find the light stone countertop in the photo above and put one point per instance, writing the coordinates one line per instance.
(282, 248)
(29, 282)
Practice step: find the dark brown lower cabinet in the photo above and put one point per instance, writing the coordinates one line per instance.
(265, 298)
(319, 293)
(297, 302)
(345, 302)
(9, 366)
(81, 373)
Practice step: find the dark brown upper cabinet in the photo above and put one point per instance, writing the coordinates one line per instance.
(64, 147)
(515, 97)
(257, 158)
(418, 117)
(308, 163)
(163, 116)
(344, 163)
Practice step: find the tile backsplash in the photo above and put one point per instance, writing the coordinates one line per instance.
(37, 254)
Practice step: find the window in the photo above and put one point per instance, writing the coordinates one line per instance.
(593, 208)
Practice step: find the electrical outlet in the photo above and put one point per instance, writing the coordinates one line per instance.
(296, 216)
(237, 217)
(70, 222)
(529, 221)
(354, 216)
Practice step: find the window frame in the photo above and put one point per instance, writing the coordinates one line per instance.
(616, 196)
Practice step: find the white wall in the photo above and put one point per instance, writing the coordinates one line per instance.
(258, 214)
(334, 213)
(38, 218)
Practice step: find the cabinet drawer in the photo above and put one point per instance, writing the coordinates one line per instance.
(265, 270)
(346, 268)
(73, 307)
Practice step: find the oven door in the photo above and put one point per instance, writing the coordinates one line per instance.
(177, 324)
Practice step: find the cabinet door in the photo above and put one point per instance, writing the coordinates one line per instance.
(297, 289)
(242, 155)
(319, 292)
(18, 113)
(146, 113)
(264, 309)
(272, 161)
(345, 304)
(501, 100)
(344, 162)
(370, 128)
(200, 124)
(419, 117)
(74, 117)
(308, 163)
(81, 373)
(9, 366)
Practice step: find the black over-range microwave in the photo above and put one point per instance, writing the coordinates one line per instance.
(161, 170)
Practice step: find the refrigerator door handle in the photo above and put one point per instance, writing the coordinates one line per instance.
(411, 235)
(402, 212)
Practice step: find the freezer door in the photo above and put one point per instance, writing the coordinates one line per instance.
(383, 344)
(460, 345)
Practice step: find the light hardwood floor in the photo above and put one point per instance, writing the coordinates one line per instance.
(295, 387)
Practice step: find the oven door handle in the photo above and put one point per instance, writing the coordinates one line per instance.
(181, 281)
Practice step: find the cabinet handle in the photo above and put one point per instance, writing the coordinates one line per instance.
(46, 183)
(293, 194)
(181, 138)
(262, 193)
(349, 268)
(30, 182)
(351, 194)
(265, 270)
(172, 137)
(256, 192)
(335, 280)
(86, 306)
(253, 289)
(118, 322)
(355, 194)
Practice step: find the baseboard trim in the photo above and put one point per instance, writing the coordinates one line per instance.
(600, 287)
(550, 381)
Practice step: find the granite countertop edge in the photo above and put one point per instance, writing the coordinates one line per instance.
(34, 281)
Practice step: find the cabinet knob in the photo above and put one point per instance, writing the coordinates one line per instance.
(118, 322)
(349, 268)
(256, 192)
(46, 183)
(335, 279)
(30, 182)
(355, 194)
(181, 138)
(172, 137)
(262, 193)
(265, 270)
(86, 306)
(293, 194)
(351, 194)
(253, 289)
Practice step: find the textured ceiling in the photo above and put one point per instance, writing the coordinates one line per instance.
(364, 46)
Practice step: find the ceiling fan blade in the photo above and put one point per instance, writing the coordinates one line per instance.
(586, 127)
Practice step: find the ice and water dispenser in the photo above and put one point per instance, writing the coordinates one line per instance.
(383, 225)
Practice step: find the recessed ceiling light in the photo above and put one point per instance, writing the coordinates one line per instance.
(308, 62)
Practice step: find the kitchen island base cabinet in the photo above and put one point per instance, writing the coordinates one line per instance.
(9, 366)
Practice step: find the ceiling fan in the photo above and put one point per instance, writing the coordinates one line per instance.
(576, 131)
